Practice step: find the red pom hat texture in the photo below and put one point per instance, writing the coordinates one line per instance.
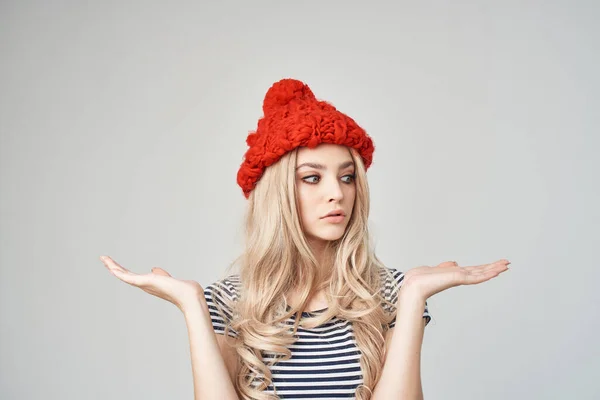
(293, 117)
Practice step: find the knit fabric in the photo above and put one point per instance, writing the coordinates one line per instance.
(325, 360)
(293, 117)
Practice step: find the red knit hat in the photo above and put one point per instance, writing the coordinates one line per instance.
(293, 117)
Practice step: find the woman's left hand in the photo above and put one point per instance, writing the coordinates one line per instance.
(426, 281)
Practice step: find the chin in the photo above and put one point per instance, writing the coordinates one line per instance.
(331, 235)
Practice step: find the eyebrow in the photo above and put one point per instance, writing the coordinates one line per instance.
(321, 166)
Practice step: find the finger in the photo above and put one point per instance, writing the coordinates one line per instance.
(500, 264)
(482, 276)
(124, 274)
(160, 271)
(479, 269)
(112, 265)
(448, 264)
(108, 263)
(488, 271)
(131, 278)
(475, 278)
(497, 269)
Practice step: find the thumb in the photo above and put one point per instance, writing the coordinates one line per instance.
(160, 271)
(448, 264)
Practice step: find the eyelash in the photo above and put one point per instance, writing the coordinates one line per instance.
(353, 176)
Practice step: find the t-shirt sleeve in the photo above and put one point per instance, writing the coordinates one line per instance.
(390, 292)
(220, 297)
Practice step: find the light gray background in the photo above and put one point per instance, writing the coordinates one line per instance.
(123, 125)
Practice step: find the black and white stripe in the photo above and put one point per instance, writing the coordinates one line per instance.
(325, 362)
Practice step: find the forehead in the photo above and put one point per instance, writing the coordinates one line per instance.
(325, 153)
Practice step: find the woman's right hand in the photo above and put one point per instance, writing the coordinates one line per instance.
(158, 283)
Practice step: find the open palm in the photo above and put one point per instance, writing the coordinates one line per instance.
(428, 281)
(158, 283)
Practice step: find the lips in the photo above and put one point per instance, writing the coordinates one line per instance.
(333, 213)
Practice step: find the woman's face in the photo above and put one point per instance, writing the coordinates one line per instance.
(325, 183)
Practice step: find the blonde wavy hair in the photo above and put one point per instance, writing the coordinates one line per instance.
(277, 259)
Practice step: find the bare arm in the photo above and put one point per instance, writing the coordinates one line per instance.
(212, 379)
(401, 374)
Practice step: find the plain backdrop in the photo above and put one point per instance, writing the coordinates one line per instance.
(123, 124)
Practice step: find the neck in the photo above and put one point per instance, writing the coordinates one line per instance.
(323, 254)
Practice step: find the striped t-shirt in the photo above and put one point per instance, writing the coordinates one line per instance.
(325, 361)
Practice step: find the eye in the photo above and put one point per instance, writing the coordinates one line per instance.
(351, 179)
(309, 177)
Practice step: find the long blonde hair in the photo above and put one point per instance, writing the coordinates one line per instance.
(277, 259)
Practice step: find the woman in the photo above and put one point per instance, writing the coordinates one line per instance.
(312, 313)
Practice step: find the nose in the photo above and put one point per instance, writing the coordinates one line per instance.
(334, 191)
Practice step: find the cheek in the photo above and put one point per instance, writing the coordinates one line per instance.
(351, 193)
(302, 199)
(306, 203)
